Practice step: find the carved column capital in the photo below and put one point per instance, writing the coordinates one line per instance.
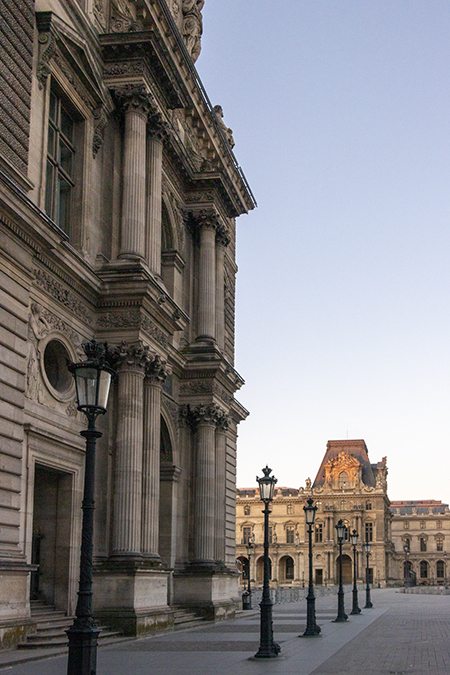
(157, 127)
(136, 98)
(135, 356)
(211, 415)
(222, 235)
(157, 370)
(205, 219)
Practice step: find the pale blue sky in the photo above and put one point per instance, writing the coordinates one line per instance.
(341, 113)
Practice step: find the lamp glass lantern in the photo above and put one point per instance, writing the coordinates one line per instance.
(310, 512)
(340, 529)
(266, 485)
(367, 547)
(92, 380)
(249, 549)
(354, 538)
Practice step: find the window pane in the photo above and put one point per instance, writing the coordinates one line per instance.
(53, 110)
(66, 124)
(64, 193)
(51, 141)
(65, 157)
(50, 189)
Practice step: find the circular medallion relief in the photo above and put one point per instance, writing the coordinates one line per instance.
(57, 377)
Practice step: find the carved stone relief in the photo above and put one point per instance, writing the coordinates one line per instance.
(192, 28)
(62, 295)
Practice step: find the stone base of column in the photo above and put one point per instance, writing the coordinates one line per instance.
(213, 594)
(133, 600)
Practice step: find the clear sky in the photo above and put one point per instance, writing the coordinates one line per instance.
(341, 114)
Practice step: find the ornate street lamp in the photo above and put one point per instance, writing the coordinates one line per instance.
(407, 570)
(312, 629)
(267, 647)
(247, 595)
(368, 604)
(354, 540)
(92, 380)
(340, 531)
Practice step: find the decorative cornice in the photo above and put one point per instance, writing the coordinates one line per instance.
(133, 319)
(62, 295)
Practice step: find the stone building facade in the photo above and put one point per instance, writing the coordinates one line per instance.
(347, 487)
(420, 535)
(119, 192)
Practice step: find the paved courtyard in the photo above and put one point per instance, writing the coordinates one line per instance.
(402, 634)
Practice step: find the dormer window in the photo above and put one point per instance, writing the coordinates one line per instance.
(343, 480)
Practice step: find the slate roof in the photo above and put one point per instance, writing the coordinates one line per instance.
(355, 448)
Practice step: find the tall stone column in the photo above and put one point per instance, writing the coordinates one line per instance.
(204, 499)
(156, 134)
(155, 374)
(126, 536)
(222, 241)
(220, 482)
(135, 104)
(207, 225)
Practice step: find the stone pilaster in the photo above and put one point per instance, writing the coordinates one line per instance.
(220, 480)
(207, 225)
(222, 241)
(156, 133)
(136, 105)
(155, 374)
(204, 498)
(126, 538)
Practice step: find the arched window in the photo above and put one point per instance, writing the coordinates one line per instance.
(246, 535)
(290, 534)
(423, 569)
(343, 480)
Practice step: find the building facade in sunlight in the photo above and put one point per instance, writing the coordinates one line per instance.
(409, 539)
(119, 192)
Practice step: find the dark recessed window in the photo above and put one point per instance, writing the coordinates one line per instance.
(60, 163)
(55, 367)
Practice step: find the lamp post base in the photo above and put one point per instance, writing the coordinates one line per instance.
(82, 650)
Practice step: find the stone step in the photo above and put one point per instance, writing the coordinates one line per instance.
(36, 641)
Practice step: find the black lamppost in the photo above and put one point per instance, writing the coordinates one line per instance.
(368, 604)
(247, 595)
(355, 608)
(92, 380)
(407, 565)
(267, 647)
(312, 629)
(341, 616)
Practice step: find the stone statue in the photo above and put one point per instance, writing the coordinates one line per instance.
(297, 538)
(193, 26)
(38, 328)
(218, 111)
(308, 483)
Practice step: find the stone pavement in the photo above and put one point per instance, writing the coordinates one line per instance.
(402, 634)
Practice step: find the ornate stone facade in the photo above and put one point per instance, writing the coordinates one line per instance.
(123, 230)
(347, 487)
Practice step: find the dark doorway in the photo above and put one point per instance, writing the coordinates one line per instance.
(52, 527)
(319, 577)
(347, 570)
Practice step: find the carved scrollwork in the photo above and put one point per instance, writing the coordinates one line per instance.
(157, 127)
(47, 49)
(100, 121)
(62, 295)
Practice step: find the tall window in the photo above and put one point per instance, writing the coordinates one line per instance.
(406, 525)
(270, 535)
(60, 163)
(423, 524)
(439, 543)
(368, 506)
(343, 480)
(289, 568)
(290, 509)
(246, 534)
(319, 533)
(246, 510)
(423, 569)
(368, 530)
(423, 544)
(439, 524)
(440, 569)
(289, 535)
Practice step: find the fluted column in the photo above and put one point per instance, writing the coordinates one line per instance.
(135, 105)
(220, 481)
(207, 225)
(126, 538)
(222, 241)
(155, 375)
(156, 133)
(204, 509)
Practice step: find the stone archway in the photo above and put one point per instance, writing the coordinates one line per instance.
(347, 569)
